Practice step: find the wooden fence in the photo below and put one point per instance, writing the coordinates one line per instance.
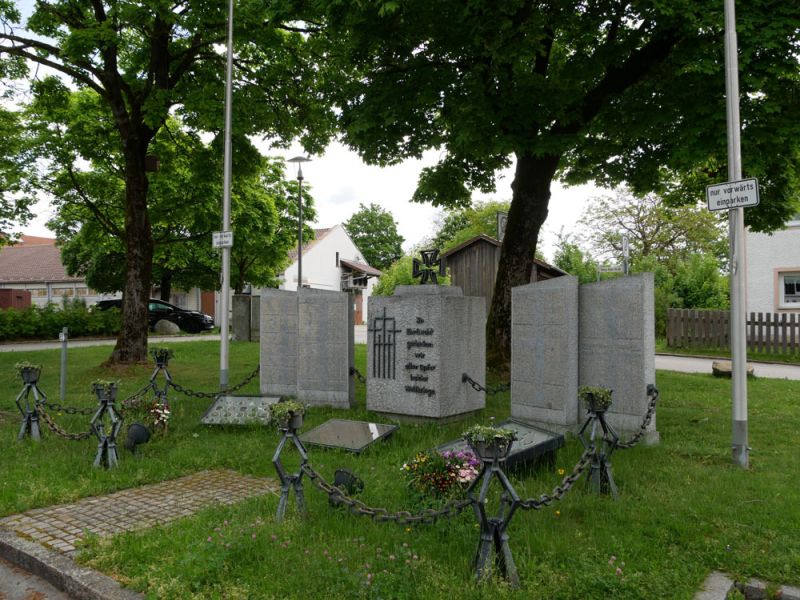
(776, 333)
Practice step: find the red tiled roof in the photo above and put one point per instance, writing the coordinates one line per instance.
(33, 259)
(360, 267)
(318, 235)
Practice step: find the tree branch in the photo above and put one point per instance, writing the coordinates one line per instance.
(84, 78)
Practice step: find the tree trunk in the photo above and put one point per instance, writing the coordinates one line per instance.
(166, 285)
(131, 344)
(531, 195)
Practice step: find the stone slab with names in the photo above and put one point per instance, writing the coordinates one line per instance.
(306, 343)
(239, 410)
(533, 445)
(564, 336)
(353, 436)
(419, 344)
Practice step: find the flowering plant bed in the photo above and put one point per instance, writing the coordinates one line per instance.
(441, 475)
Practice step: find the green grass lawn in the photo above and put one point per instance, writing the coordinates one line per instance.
(684, 508)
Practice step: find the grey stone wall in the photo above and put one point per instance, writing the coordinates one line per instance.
(544, 352)
(278, 343)
(564, 335)
(419, 343)
(325, 343)
(255, 318)
(307, 346)
(617, 345)
(240, 317)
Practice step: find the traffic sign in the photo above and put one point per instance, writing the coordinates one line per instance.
(733, 194)
(222, 239)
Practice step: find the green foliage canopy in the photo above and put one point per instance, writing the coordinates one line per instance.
(374, 231)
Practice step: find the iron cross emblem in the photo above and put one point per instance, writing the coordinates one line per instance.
(430, 266)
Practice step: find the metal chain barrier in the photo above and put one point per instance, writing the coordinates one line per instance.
(186, 391)
(491, 390)
(652, 391)
(357, 374)
(54, 427)
(427, 516)
(565, 486)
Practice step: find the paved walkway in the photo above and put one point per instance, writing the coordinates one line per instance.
(692, 364)
(61, 527)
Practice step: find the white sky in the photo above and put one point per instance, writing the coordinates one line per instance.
(340, 181)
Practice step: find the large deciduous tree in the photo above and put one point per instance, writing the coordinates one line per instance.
(72, 133)
(147, 58)
(653, 228)
(610, 91)
(374, 231)
(14, 209)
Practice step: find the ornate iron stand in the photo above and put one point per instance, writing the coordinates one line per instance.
(107, 444)
(600, 479)
(493, 528)
(290, 480)
(30, 414)
(161, 359)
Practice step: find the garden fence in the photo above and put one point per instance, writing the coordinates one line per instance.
(776, 333)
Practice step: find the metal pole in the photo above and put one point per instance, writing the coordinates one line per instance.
(300, 227)
(737, 253)
(226, 212)
(63, 337)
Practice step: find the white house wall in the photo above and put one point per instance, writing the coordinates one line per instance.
(319, 264)
(768, 256)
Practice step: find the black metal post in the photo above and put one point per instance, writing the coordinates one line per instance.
(600, 477)
(30, 414)
(290, 481)
(107, 444)
(493, 528)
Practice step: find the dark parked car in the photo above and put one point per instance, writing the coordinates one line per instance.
(190, 321)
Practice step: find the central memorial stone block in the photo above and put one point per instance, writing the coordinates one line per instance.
(419, 344)
(307, 346)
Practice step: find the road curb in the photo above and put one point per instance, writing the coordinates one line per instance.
(79, 582)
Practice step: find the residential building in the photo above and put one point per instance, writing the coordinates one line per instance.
(773, 270)
(331, 261)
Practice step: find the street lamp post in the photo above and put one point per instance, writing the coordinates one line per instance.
(299, 160)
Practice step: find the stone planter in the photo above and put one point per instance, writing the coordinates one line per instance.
(30, 375)
(494, 450)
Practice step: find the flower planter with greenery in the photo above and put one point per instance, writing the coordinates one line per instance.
(288, 414)
(490, 443)
(442, 475)
(597, 399)
(161, 356)
(105, 390)
(29, 372)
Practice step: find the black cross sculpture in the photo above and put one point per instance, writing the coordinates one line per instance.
(429, 267)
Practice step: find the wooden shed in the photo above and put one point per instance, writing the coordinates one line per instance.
(473, 267)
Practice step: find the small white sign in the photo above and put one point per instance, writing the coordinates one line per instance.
(625, 247)
(611, 268)
(733, 194)
(222, 239)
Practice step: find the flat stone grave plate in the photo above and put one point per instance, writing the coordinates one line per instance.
(239, 410)
(349, 435)
(532, 444)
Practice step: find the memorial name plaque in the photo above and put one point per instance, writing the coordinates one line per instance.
(353, 436)
(239, 410)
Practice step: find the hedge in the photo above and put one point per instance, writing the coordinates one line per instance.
(45, 323)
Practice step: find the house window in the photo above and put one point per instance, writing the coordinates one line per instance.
(790, 290)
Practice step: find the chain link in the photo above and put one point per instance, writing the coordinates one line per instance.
(186, 391)
(652, 391)
(135, 399)
(491, 390)
(69, 410)
(357, 374)
(566, 484)
(62, 432)
(426, 516)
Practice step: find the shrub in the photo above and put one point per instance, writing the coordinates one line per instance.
(46, 322)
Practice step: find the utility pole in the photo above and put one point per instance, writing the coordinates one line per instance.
(741, 450)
